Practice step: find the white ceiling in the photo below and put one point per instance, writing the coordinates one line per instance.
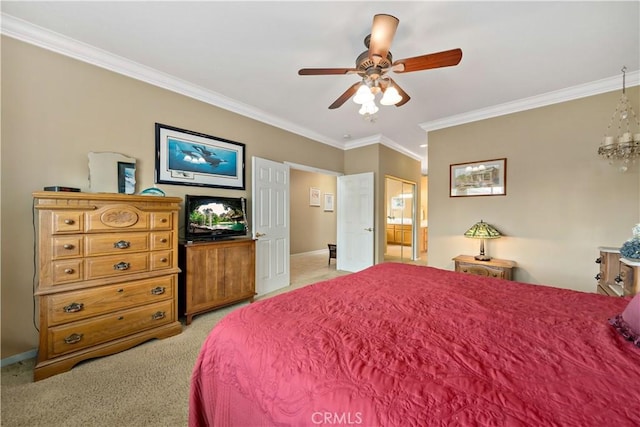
(244, 56)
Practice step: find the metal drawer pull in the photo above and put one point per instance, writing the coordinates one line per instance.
(73, 338)
(599, 260)
(158, 290)
(74, 307)
(69, 270)
(69, 221)
(121, 266)
(68, 246)
(157, 315)
(122, 244)
(598, 276)
(618, 279)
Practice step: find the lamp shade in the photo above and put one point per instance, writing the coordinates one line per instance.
(390, 96)
(363, 95)
(482, 230)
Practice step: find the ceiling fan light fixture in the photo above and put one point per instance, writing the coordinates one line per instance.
(391, 96)
(368, 108)
(363, 95)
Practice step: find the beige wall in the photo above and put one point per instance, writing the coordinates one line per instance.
(562, 200)
(311, 226)
(55, 110)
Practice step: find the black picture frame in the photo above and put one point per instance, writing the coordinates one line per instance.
(126, 178)
(185, 157)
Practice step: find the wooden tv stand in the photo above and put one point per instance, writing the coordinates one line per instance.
(215, 274)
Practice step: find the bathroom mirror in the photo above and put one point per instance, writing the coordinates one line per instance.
(112, 173)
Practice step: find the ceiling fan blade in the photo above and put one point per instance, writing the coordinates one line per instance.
(325, 71)
(346, 95)
(382, 32)
(405, 96)
(446, 58)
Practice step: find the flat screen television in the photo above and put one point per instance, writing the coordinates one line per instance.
(214, 217)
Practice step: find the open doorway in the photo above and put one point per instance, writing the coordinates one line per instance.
(401, 212)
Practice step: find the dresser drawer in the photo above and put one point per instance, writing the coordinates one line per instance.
(116, 265)
(116, 243)
(626, 277)
(67, 271)
(161, 240)
(161, 260)
(86, 333)
(161, 220)
(76, 305)
(67, 247)
(67, 222)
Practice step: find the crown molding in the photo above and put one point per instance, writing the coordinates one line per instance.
(29, 33)
(381, 139)
(575, 92)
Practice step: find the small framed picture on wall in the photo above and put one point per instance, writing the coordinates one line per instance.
(328, 202)
(314, 196)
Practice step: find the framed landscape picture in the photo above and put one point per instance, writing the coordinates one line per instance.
(483, 178)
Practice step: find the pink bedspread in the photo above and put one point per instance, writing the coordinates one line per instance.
(404, 345)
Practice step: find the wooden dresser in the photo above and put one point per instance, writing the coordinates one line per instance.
(108, 275)
(618, 276)
(608, 277)
(216, 274)
(629, 276)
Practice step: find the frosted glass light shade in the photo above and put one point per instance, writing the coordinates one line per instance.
(368, 108)
(391, 96)
(363, 95)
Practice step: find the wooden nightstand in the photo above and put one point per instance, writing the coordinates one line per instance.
(500, 268)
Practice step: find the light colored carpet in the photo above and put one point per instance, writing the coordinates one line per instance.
(146, 385)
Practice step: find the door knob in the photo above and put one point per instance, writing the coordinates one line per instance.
(368, 229)
(260, 234)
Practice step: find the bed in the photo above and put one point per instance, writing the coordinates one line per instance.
(407, 345)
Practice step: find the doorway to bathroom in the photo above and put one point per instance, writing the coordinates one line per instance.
(401, 211)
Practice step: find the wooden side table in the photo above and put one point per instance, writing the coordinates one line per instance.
(500, 268)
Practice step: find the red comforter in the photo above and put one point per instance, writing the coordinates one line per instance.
(403, 345)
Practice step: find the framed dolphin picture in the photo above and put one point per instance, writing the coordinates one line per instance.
(184, 157)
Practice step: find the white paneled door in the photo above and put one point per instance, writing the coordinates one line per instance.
(270, 211)
(355, 211)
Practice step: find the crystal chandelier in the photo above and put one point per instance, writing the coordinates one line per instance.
(623, 148)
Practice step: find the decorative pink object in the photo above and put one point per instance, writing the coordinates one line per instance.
(628, 323)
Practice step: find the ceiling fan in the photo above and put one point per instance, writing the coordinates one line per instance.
(373, 65)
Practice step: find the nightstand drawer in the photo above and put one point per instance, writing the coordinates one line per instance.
(480, 270)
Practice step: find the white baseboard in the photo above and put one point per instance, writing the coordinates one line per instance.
(18, 357)
(319, 251)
